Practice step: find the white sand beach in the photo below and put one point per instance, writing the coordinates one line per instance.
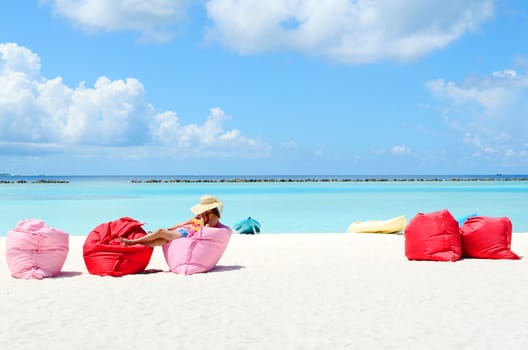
(293, 291)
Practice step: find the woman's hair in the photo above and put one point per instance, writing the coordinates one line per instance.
(216, 211)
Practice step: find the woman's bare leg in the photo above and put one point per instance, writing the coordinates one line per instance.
(158, 237)
(156, 243)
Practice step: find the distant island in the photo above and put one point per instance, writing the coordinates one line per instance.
(274, 180)
(38, 179)
(34, 182)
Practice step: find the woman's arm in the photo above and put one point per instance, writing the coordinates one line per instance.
(187, 222)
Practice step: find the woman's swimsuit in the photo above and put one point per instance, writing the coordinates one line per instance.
(190, 229)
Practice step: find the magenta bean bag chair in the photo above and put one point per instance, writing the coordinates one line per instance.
(433, 236)
(199, 252)
(105, 255)
(36, 251)
(487, 238)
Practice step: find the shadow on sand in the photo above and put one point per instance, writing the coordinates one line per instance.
(224, 268)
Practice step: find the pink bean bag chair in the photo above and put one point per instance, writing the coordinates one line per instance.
(36, 251)
(199, 252)
(433, 236)
(105, 255)
(487, 238)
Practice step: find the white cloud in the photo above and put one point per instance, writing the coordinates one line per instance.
(38, 111)
(399, 150)
(348, 31)
(209, 139)
(18, 59)
(490, 112)
(35, 109)
(359, 31)
(153, 18)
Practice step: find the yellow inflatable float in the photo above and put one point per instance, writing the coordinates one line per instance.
(393, 225)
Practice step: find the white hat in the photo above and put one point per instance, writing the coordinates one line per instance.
(207, 202)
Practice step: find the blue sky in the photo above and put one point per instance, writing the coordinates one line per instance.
(263, 87)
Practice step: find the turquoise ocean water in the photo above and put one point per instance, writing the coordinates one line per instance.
(282, 206)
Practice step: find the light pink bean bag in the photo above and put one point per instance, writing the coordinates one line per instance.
(34, 250)
(199, 252)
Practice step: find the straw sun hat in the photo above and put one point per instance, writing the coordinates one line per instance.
(207, 202)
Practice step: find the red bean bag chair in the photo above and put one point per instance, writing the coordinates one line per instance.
(433, 236)
(199, 252)
(487, 238)
(105, 255)
(35, 250)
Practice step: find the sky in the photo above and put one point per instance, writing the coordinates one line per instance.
(251, 87)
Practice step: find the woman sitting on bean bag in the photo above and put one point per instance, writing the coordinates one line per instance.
(195, 245)
(207, 215)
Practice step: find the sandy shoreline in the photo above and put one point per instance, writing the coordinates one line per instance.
(306, 291)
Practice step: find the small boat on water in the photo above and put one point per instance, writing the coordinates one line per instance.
(393, 225)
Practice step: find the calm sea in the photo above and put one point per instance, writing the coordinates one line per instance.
(286, 204)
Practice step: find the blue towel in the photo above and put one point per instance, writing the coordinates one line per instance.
(248, 226)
